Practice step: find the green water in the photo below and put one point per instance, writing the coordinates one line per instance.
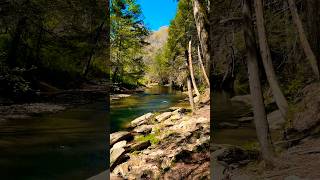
(67, 145)
(224, 110)
(154, 99)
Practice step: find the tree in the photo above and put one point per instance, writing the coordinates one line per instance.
(194, 83)
(260, 117)
(202, 68)
(303, 39)
(200, 17)
(127, 40)
(267, 61)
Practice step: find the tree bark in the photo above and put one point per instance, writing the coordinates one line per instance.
(190, 94)
(202, 68)
(267, 61)
(191, 70)
(260, 117)
(313, 21)
(202, 30)
(303, 38)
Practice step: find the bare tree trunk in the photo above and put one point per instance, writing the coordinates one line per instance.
(303, 38)
(190, 93)
(267, 61)
(313, 21)
(202, 68)
(191, 70)
(260, 117)
(202, 29)
(189, 86)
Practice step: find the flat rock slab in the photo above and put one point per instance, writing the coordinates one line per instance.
(116, 157)
(119, 136)
(140, 145)
(245, 119)
(244, 99)
(144, 129)
(117, 145)
(163, 116)
(141, 120)
(228, 125)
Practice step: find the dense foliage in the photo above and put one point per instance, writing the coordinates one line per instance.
(57, 42)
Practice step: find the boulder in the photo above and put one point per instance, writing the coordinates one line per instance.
(163, 116)
(140, 145)
(144, 129)
(119, 136)
(141, 120)
(275, 119)
(307, 112)
(117, 145)
(117, 156)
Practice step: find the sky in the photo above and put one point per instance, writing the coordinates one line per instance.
(158, 13)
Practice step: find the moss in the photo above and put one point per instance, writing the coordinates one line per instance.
(150, 137)
(251, 146)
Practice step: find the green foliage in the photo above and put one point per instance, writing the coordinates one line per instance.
(127, 40)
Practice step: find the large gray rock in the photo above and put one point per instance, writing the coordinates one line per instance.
(163, 116)
(275, 119)
(117, 156)
(119, 136)
(144, 129)
(141, 120)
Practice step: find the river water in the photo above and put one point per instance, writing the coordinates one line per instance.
(224, 110)
(155, 99)
(67, 145)
(72, 144)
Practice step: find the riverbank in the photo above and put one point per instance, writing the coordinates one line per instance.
(172, 144)
(296, 141)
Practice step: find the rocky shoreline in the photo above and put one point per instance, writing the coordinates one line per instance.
(173, 144)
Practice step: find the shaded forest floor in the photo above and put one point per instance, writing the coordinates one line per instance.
(297, 146)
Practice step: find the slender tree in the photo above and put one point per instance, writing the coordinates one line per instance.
(202, 68)
(260, 117)
(303, 38)
(194, 83)
(202, 30)
(190, 94)
(267, 61)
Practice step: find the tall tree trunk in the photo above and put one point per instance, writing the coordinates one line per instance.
(303, 38)
(190, 94)
(202, 30)
(202, 68)
(191, 70)
(313, 21)
(260, 117)
(267, 61)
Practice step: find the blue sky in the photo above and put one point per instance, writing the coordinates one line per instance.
(158, 13)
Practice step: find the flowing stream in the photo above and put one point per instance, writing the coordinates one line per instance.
(155, 99)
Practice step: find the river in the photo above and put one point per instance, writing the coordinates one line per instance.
(71, 144)
(66, 145)
(155, 99)
(224, 110)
